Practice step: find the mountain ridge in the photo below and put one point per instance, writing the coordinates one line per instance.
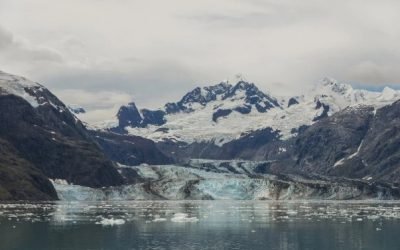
(48, 141)
(225, 112)
(334, 132)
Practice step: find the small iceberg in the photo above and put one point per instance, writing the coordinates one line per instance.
(159, 219)
(182, 217)
(111, 222)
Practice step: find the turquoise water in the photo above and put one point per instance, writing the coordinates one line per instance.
(200, 225)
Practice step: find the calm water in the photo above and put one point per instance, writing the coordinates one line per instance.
(200, 225)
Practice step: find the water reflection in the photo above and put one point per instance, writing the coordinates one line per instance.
(200, 225)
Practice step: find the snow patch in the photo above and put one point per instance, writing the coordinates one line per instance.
(16, 85)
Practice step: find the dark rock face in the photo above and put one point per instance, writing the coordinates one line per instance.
(379, 153)
(253, 95)
(292, 101)
(129, 116)
(130, 150)
(220, 113)
(198, 95)
(153, 117)
(251, 147)
(323, 144)
(325, 110)
(299, 130)
(21, 180)
(353, 143)
(172, 108)
(246, 109)
(54, 141)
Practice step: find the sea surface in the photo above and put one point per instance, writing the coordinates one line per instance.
(200, 225)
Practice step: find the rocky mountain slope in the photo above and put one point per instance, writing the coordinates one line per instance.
(20, 179)
(358, 143)
(48, 141)
(129, 150)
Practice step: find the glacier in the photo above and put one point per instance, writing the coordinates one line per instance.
(223, 180)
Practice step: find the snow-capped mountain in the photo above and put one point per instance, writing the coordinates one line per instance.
(340, 95)
(225, 112)
(34, 93)
(243, 97)
(40, 139)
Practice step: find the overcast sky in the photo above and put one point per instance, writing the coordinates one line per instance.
(103, 53)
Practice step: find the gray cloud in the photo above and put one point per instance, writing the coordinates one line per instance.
(14, 50)
(150, 84)
(155, 54)
(6, 39)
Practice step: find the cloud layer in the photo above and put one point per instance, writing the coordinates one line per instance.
(155, 51)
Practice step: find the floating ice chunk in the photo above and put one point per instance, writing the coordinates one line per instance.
(182, 217)
(373, 217)
(292, 212)
(159, 219)
(111, 222)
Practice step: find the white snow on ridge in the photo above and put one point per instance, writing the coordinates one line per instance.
(197, 126)
(341, 161)
(340, 95)
(16, 85)
(31, 91)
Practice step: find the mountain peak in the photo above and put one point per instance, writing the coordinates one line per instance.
(389, 94)
(243, 84)
(246, 86)
(198, 96)
(328, 81)
(329, 85)
(252, 96)
(242, 90)
(129, 115)
(20, 86)
(224, 85)
(14, 81)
